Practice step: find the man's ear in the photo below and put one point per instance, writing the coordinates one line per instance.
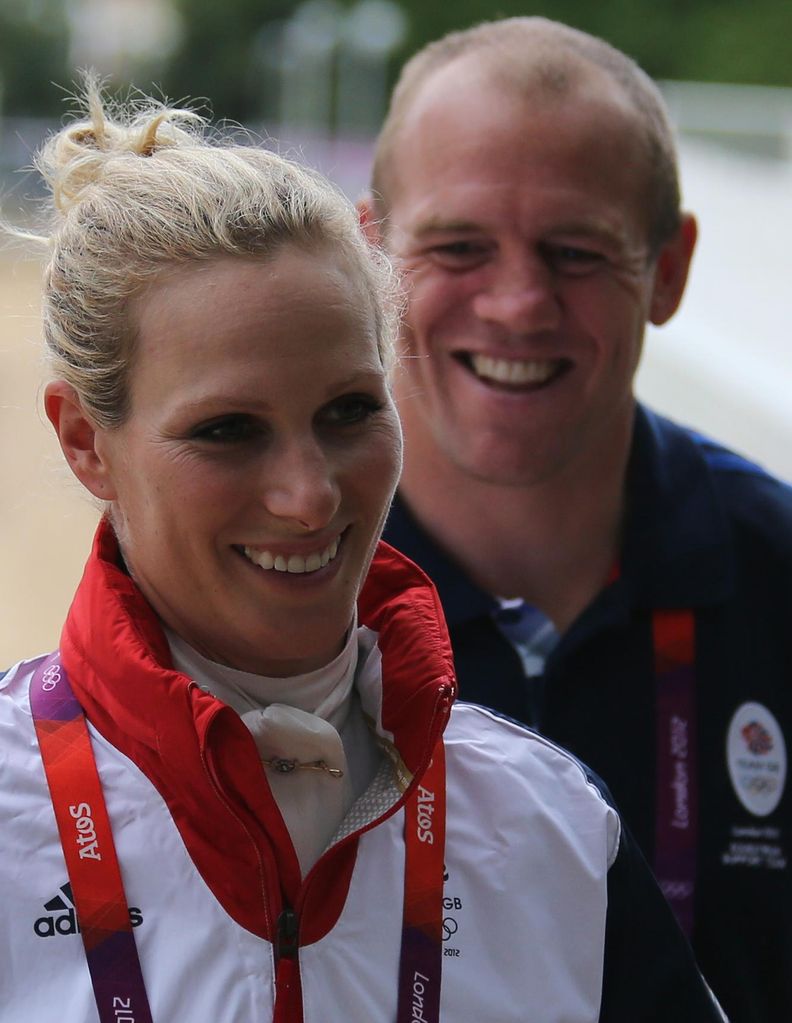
(369, 221)
(671, 271)
(78, 436)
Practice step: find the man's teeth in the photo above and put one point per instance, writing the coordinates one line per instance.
(514, 371)
(295, 563)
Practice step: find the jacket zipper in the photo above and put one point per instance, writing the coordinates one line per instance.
(286, 944)
(288, 985)
(287, 941)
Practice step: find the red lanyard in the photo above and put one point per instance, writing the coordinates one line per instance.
(98, 889)
(676, 758)
(676, 796)
(88, 847)
(420, 967)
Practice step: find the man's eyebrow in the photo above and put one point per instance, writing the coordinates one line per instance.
(436, 225)
(592, 229)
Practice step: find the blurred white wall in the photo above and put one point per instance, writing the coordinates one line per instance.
(724, 363)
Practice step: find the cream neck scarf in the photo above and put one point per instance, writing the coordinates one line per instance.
(313, 718)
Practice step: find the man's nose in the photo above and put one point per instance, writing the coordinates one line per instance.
(520, 295)
(300, 485)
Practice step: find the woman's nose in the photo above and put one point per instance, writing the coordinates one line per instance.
(301, 486)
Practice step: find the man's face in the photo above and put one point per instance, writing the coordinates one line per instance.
(520, 225)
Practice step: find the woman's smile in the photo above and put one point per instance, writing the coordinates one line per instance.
(273, 559)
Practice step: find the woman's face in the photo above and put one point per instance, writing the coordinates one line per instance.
(250, 482)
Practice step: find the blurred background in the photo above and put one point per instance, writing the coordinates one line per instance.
(312, 79)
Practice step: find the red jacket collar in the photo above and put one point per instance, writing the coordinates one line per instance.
(197, 752)
(118, 658)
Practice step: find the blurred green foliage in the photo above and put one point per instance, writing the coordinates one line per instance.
(220, 54)
(33, 55)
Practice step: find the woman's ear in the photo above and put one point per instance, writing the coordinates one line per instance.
(78, 436)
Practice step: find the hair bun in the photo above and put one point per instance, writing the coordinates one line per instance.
(140, 188)
(79, 156)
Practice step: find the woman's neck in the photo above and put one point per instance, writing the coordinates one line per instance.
(325, 692)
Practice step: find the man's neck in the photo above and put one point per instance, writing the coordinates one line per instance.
(553, 543)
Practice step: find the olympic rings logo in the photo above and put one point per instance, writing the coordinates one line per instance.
(759, 784)
(51, 678)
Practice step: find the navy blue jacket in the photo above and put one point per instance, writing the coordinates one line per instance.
(704, 530)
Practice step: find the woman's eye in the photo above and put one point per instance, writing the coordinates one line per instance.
(351, 409)
(230, 430)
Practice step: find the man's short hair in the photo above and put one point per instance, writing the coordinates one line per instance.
(536, 55)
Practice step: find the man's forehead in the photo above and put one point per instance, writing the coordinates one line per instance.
(467, 135)
(531, 82)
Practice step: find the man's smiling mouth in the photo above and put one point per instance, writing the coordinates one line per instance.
(513, 373)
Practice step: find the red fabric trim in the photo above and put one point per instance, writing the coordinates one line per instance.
(674, 634)
(288, 1000)
(202, 759)
(324, 893)
(399, 600)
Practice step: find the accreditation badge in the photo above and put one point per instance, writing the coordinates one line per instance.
(757, 759)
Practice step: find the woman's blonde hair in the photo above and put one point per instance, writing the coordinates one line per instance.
(142, 187)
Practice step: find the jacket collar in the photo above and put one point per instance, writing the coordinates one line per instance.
(675, 549)
(462, 599)
(115, 650)
(197, 752)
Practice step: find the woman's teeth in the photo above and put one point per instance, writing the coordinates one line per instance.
(294, 563)
(514, 371)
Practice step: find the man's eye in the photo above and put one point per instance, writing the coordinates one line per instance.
(573, 259)
(461, 254)
(229, 430)
(351, 409)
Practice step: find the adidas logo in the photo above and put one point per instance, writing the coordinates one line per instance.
(66, 920)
